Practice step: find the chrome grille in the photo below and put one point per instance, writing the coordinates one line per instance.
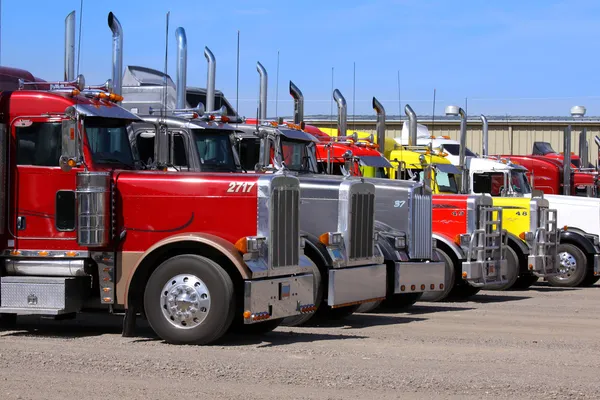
(489, 241)
(285, 233)
(420, 240)
(546, 239)
(361, 225)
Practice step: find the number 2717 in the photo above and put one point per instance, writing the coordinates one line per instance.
(244, 187)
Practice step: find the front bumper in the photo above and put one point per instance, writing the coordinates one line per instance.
(350, 286)
(596, 264)
(419, 277)
(543, 266)
(281, 297)
(482, 273)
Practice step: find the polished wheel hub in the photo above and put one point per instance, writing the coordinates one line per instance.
(568, 264)
(185, 301)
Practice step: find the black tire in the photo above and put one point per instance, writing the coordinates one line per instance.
(511, 273)
(8, 321)
(590, 279)
(368, 307)
(327, 313)
(524, 281)
(449, 279)
(463, 292)
(401, 301)
(259, 328)
(573, 263)
(221, 294)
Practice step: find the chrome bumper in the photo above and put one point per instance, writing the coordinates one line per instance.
(543, 266)
(419, 277)
(278, 297)
(482, 273)
(596, 264)
(349, 286)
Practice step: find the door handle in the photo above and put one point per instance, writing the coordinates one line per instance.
(21, 223)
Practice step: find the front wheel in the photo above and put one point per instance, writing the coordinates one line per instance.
(449, 280)
(572, 266)
(189, 299)
(511, 273)
(368, 307)
(401, 301)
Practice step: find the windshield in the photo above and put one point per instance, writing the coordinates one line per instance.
(455, 148)
(108, 140)
(299, 155)
(493, 183)
(445, 181)
(214, 150)
(520, 184)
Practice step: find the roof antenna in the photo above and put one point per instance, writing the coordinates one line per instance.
(399, 104)
(277, 89)
(353, 100)
(331, 100)
(237, 85)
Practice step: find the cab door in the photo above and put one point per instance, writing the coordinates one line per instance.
(43, 205)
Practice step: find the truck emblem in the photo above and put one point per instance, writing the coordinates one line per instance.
(23, 123)
(399, 203)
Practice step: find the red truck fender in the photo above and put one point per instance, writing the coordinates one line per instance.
(134, 264)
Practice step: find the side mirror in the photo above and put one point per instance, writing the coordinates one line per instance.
(70, 156)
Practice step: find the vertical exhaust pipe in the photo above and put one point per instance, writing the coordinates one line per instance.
(380, 128)
(298, 103)
(342, 112)
(458, 111)
(117, 52)
(181, 74)
(210, 79)
(484, 129)
(583, 148)
(70, 47)
(262, 98)
(412, 125)
(567, 161)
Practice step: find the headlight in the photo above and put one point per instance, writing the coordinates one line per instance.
(527, 236)
(331, 238)
(302, 242)
(250, 244)
(463, 240)
(433, 243)
(400, 242)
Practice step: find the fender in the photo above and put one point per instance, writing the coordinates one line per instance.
(129, 267)
(520, 244)
(389, 253)
(458, 252)
(315, 244)
(577, 238)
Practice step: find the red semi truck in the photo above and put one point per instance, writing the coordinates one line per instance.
(83, 227)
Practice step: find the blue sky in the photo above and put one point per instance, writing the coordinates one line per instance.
(508, 57)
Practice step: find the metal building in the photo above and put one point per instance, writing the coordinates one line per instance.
(507, 135)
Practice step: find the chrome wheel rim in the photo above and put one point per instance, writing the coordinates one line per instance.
(185, 301)
(567, 265)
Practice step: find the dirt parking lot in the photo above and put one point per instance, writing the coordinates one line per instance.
(540, 343)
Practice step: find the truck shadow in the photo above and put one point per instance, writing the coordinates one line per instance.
(359, 321)
(546, 287)
(281, 337)
(487, 299)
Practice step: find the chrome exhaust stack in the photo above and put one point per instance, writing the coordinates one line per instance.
(380, 128)
(70, 47)
(412, 125)
(298, 103)
(262, 100)
(458, 111)
(181, 73)
(210, 79)
(484, 130)
(342, 112)
(117, 52)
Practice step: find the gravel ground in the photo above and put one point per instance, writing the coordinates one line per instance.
(540, 343)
